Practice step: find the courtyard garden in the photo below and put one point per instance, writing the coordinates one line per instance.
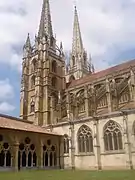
(68, 175)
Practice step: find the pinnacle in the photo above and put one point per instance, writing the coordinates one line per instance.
(45, 27)
(77, 45)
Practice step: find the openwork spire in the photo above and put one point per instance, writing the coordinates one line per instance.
(45, 27)
(27, 43)
(77, 44)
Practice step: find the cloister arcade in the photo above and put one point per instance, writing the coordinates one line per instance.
(28, 151)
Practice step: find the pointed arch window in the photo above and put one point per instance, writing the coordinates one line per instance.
(34, 65)
(54, 66)
(32, 107)
(73, 60)
(5, 153)
(54, 82)
(33, 81)
(85, 140)
(112, 136)
(66, 144)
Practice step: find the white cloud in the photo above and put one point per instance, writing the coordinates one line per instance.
(5, 107)
(104, 25)
(6, 94)
(6, 90)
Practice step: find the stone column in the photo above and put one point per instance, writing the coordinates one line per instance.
(72, 144)
(15, 159)
(61, 153)
(40, 156)
(86, 101)
(127, 142)
(97, 143)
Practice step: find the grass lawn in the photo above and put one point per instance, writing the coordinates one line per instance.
(68, 175)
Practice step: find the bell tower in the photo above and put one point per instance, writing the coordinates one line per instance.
(78, 65)
(43, 73)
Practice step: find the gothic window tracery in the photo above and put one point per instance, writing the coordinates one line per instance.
(5, 153)
(49, 154)
(66, 144)
(54, 66)
(112, 136)
(27, 154)
(85, 140)
(33, 81)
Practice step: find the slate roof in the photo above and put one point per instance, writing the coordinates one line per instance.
(101, 74)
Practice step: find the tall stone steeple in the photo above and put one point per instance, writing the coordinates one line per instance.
(77, 44)
(43, 74)
(79, 65)
(45, 27)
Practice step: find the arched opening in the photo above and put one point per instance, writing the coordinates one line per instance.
(5, 154)
(34, 65)
(112, 136)
(32, 107)
(54, 82)
(85, 139)
(73, 60)
(33, 81)
(49, 155)
(27, 154)
(54, 66)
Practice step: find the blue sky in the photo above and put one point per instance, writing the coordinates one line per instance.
(108, 32)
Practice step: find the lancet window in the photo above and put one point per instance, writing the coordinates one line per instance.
(66, 144)
(85, 140)
(49, 154)
(33, 81)
(54, 66)
(27, 154)
(32, 107)
(5, 153)
(112, 136)
(34, 65)
(54, 82)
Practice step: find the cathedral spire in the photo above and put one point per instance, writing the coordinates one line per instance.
(45, 27)
(27, 43)
(77, 44)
